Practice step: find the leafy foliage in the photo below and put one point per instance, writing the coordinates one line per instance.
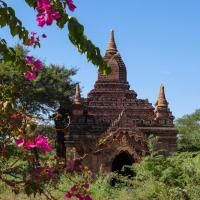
(189, 132)
(8, 17)
(47, 87)
(175, 177)
(24, 167)
(77, 37)
(76, 32)
(52, 87)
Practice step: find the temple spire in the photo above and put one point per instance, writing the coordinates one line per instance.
(162, 102)
(112, 45)
(77, 99)
(162, 111)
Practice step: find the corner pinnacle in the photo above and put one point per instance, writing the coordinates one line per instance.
(162, 102)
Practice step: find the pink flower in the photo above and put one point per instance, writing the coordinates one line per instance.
(86, 186)
(78, 192)
(43, 5)
(45, 13)
(71, 5)
(42, 142)
(37, 65)
(30, 145)
(40, 18)
(30, 75)
(46, 148)
(33, 40)
(87, 197)
(20, 142)
(79, 196)
(74, 188)
(46, 7)
(55, 15)
(49, 20)
(29, 60)
(68, 195)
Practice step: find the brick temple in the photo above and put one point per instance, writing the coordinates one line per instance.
(110, 128)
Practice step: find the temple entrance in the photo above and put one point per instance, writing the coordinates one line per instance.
(120, 162)
(120, 165)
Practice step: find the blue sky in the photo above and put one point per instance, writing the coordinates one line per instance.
(159, 42)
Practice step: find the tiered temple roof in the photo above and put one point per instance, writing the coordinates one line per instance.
(100, 114)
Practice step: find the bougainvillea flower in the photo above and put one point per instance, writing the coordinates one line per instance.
(29, 60)
(86, 186)
(45, 148)
(43, 5)
(46, 14)
(30, 75)
(40, 18)
(42, 142)
(55, 15)
(79, 193)
(68, 195)
(71, 5)
(20, 142)
(80, 197)
(87, 197)
(33, 40)
(49, 20)
(37, 65)
(46, 7)
(74, 188)
(30, 145)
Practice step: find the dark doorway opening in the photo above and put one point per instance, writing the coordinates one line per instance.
(121, 165)
(120, 161)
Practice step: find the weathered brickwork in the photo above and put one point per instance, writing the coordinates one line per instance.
(113, 121)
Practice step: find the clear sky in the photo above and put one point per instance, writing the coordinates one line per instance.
(159, 41)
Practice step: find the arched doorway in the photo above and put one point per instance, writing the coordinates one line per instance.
(120, 162)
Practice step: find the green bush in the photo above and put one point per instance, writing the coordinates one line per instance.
(159, 177)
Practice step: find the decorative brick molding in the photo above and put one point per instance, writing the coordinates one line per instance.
(113, 113)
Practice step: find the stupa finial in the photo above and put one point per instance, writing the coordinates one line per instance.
(77, 99)
(112, 45)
